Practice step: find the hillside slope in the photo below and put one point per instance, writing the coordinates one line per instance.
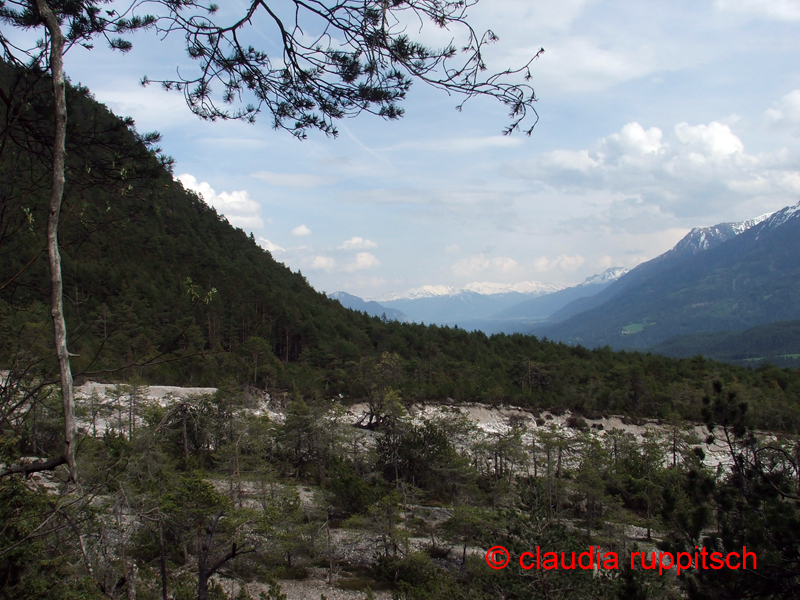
(777, 343)
(542, 307)
(151, 273)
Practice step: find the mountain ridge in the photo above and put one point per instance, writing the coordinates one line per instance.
(749, 279)
(699, 239)
(368, 306)
(485, 288)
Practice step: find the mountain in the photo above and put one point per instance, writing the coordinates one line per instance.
(494, 307)
(442, 304)
(520, 317)
(153, 276)
(542, 307)
(371, 307)
(727, 277)
(532, 288)
(699, 239)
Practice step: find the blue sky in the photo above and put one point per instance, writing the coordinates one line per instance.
(655, 117)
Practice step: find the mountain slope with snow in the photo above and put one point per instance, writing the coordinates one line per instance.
(749, 279)
(699, 239)
(448, 305)
(542, 307)
(485, 288)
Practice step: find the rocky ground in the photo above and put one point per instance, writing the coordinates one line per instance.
(490, 419)
(353, 547)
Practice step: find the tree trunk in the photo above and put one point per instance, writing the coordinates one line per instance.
(53, 216)
(132, 574)
(184, 411)
(328, 549)
(204, 571)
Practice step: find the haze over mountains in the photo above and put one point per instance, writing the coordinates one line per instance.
(489, 307)
(696, 298)
(446, 305)
(372, 308)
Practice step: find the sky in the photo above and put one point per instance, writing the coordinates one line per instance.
(655, 117)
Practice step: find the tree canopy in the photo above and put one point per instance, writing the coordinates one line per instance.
(327, 59)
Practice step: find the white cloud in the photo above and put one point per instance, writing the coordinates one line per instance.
(575, 64)
(633, 139)
(605, 261)
(567, 160)
(786, 111)
(363, 260)
(479, 263)
(562, 262)
(267, 245)
(238, 207)
(712, 140)
(301, 230)
(357, 243)
(149, 105)
(454, 249)
(323, 263)
(783, 10)
(700, 170)
(294, 180)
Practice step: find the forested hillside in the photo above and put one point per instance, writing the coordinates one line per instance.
(776, 343)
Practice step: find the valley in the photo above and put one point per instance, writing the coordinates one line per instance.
(184, 416)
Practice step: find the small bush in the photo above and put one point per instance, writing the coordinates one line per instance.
(436, 551)
(575, 422)
(362, 584)
(294, 572)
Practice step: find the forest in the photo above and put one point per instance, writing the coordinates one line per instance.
(266, 481)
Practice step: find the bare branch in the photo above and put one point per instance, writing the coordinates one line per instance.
(35, 467)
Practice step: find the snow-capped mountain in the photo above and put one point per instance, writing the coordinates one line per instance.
(485, 288)
(490, 306)
(729, 277)
(529, 288)
(700, 239)
(520, 316)
(606, 276)
(449, 305)
(776, 219)
(425, 291)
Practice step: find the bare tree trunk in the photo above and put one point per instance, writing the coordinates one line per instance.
(184, 411)
(328, 549)
(132, 574)
(53, 215)
(204, 571)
